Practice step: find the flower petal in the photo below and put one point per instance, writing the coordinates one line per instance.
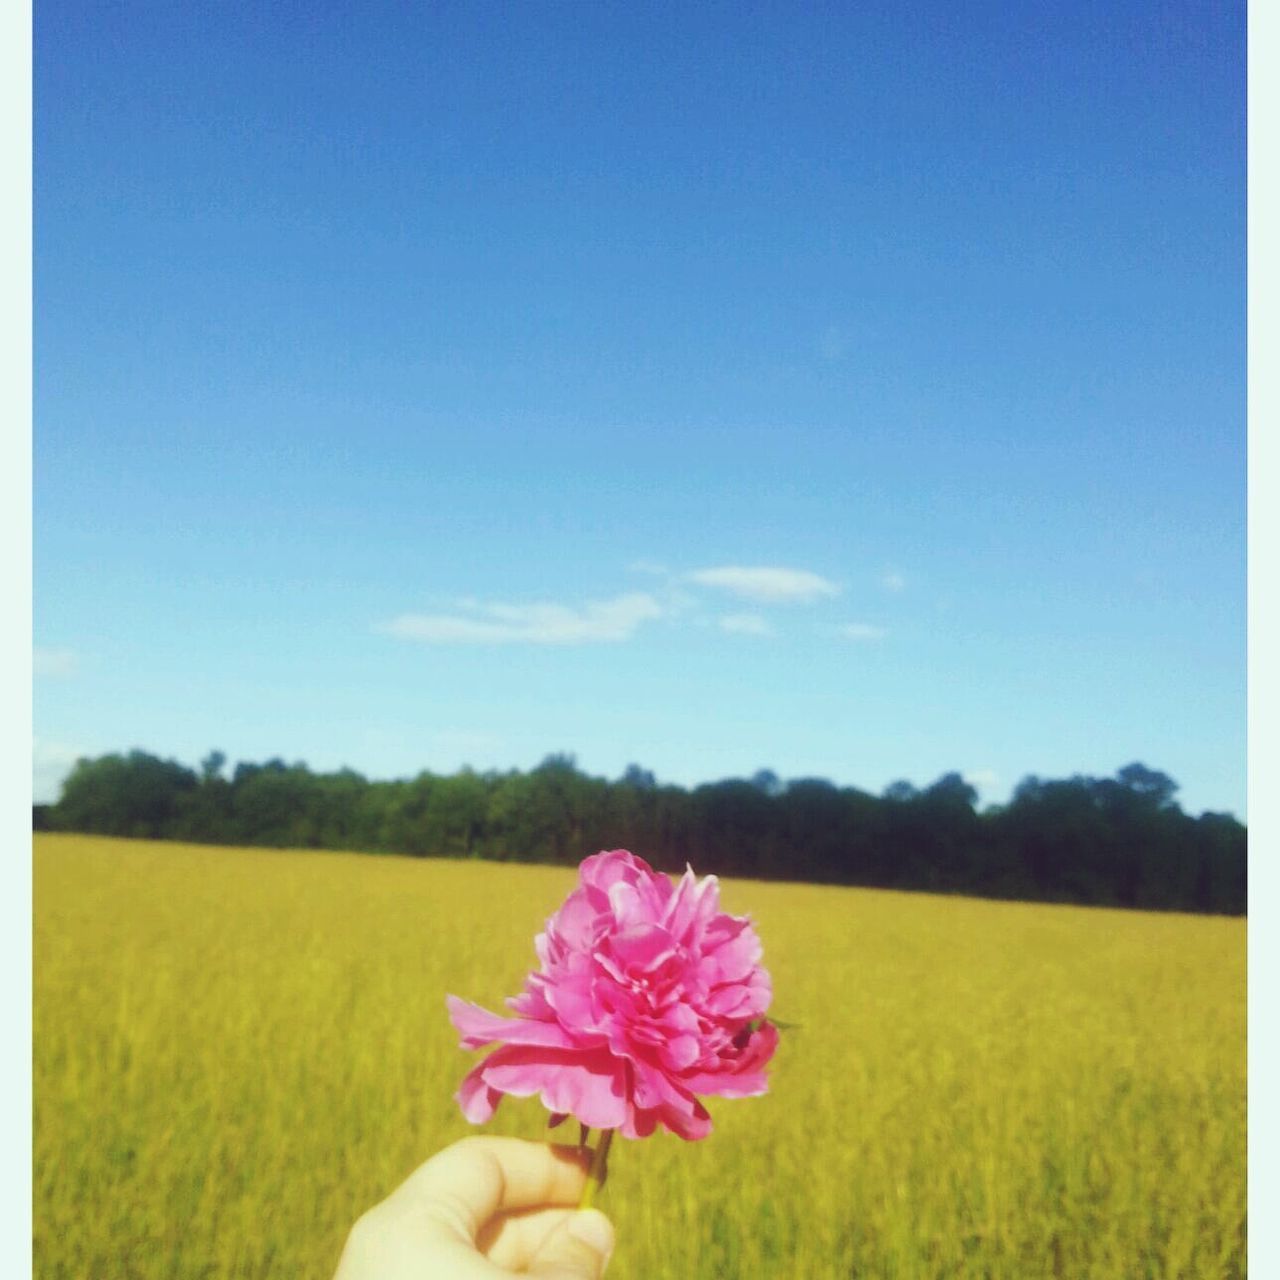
(480, 1027)
(642, 946)
(477, 1099)
(744, 1075)
(590, 1086)
(672, 1105)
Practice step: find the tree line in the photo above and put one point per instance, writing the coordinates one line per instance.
(1120, 841)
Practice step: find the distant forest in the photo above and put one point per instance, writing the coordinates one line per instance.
(1121, 841)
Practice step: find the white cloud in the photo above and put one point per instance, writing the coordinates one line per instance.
(893, 581)
(862, 631)
(601, 621)
(54, 662)
(746, 624)
(766, 585)
(652, 567)
(983, 779)
(50, 764)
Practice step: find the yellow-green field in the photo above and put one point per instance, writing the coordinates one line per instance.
(237, 1051)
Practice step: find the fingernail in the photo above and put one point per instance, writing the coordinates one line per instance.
(594, 1230)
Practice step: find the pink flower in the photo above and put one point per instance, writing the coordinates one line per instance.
(647, 996)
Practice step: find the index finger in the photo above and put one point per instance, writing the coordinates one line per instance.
(463, 1186)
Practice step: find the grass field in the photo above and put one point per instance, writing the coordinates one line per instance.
(237, 1051)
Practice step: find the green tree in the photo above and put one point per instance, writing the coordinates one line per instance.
(124, 795)
(455, 814)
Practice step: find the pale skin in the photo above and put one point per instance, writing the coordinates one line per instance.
(482, 1209)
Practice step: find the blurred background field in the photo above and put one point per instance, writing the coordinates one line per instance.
(237, 1051)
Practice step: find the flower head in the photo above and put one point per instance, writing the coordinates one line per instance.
(647, 996)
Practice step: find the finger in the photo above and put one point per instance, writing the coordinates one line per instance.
(409, 1248)
(510, 1240)
(463, 1186)
(578, 1249)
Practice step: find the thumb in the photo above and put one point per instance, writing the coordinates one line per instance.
(578, 1249)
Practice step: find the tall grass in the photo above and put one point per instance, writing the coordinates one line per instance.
(237, 1051)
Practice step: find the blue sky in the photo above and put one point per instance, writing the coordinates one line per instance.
(853, 394)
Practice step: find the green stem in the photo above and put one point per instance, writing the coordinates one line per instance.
(599, 1169)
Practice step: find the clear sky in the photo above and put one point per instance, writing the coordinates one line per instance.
(853, 393)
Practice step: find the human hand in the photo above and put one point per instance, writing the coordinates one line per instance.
(482, 1209)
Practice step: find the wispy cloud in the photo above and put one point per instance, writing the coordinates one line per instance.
(893, 581)
(862, 631)
(597, 622)
(746, 624)
(653, 568)
(54, 662)
(765, 585)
